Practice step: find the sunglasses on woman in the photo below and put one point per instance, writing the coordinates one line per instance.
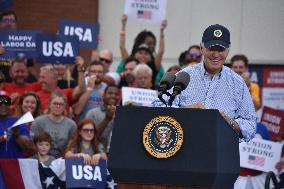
(88, 130)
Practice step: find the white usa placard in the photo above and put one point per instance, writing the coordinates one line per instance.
(260, 154)
(153, 11)
(138, 96)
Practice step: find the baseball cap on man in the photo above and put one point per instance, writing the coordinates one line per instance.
(216, 35)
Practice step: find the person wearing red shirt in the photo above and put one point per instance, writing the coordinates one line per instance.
(48, 81)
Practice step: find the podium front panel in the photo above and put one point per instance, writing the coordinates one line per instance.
(201, 161)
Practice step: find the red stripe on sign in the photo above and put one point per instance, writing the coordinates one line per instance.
(12, 175)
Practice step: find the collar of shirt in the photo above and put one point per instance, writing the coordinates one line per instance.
(207, 74)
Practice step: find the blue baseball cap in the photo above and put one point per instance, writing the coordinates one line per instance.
(216, 35)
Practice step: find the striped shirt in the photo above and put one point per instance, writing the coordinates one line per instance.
(226, 91)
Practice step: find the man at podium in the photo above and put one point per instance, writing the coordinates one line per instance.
(215, 86)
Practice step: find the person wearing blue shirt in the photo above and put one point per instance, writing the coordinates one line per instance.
(215, 86)
(16, 140)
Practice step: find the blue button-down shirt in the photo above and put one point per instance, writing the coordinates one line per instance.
(226, 91)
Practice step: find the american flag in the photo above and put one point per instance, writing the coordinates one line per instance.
(30, 174)
(144, 14)
(256, 160)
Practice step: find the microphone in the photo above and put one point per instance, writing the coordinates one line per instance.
(166, 83)
(180, 84)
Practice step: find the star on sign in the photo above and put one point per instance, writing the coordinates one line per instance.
(111, 184)
(48, 181)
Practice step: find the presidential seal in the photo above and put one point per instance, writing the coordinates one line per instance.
(162, 137)
(217, 33)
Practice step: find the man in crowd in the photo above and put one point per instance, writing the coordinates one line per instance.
(48, 80)
(127, 78)
(143, 76)
(214, 86)
(92, 97)
(190, 57)
(8, 21)
(103, 115)
(19, 74)
(111, 78)
(239, 63)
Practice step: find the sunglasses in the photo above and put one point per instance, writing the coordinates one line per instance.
(5, 101)
(88, 130)
(193, 56)
(8, 21)
(58, 104)
(105, 60)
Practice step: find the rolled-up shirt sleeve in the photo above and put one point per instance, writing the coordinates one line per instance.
(246, 117)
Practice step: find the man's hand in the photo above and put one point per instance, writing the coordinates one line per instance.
(110, 110)
(164, 24)
(279, 165)
(233, 124)
(246, 77)
(91, 81)
(79, 61)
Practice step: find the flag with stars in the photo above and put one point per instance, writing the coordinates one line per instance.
(49, 180)
(30, 174)
(110, 184)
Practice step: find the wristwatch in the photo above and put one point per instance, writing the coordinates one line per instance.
(236, 127)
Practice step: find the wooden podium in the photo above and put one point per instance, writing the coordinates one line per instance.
(208, 157)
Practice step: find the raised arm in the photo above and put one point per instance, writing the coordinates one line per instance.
(81, 79)
(20, 133)
(123, 51)
(79, 106)
(110, 111)
(159, 56)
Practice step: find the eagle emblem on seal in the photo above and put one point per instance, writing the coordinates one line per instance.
(162, 137)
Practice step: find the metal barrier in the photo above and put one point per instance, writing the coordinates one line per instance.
(271, 176)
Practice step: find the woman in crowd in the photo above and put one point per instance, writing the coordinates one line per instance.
(145, 37)
(29, 102)
(56, 124)
(85, 144)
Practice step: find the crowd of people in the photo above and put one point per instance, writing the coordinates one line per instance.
(74, 106)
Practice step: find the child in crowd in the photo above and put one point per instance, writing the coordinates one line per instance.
(85, 144)
(42, 142)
